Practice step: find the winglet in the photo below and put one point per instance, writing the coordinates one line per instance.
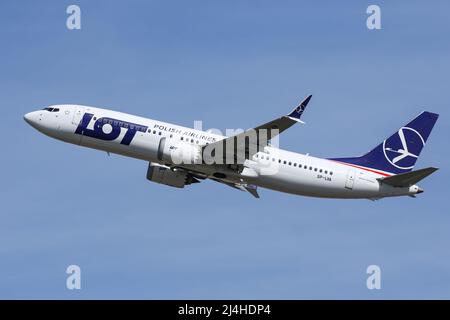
(252, 189)
(298, 111)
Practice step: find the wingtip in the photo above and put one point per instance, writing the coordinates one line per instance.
(306, 101)
(298, 111)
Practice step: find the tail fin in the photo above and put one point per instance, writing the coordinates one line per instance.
(398, 153)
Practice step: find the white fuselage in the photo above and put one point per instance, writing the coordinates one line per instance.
(273, 168)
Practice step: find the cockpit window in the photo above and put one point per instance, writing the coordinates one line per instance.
(51, 109)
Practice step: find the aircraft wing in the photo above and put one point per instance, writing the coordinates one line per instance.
(262, 135)
(195, 175)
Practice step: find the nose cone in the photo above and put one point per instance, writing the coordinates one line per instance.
(43, 121)
(28, 118)
(31, 118)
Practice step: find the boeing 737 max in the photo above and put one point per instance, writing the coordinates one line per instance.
(180, 156)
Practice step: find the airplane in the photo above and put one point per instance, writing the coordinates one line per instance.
(177, 156)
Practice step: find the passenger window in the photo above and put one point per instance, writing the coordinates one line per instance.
(320, 170)
(331, 173)
(290, 163)
(284, 162)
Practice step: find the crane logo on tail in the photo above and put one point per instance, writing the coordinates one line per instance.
(402, 149)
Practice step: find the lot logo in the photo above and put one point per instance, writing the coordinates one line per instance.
(403, 148)
(109, 129)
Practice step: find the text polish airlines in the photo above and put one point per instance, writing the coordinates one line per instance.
(180, 156)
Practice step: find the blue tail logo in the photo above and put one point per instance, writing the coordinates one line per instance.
(398, 153)
(403, 149)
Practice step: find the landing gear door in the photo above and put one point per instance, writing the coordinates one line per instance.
(77, 115)
(350, 179)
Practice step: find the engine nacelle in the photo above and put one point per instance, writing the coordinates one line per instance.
(177, 152)
(162, 174)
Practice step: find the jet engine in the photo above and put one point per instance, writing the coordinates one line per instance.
(164, 175)
(178, 152)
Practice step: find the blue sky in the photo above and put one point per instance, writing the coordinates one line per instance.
(231, 64)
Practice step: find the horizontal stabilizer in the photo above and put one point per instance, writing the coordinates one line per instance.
(408, 179)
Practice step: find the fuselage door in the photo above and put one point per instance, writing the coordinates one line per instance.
(77, 115)
(350, 179)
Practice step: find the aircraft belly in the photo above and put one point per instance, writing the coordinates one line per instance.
(309, 185)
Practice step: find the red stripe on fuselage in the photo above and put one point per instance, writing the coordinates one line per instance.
(362, 168)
